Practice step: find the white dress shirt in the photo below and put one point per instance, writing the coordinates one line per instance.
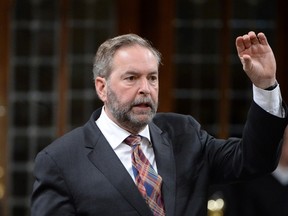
(281, 174)
(115, 136)
(271, 101)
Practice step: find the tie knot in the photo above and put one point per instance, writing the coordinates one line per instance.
(133, 140)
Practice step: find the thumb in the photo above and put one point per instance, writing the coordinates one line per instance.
(247, 63)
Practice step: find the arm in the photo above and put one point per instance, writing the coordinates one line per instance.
(259, 149)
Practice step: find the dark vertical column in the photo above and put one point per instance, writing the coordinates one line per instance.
(152, 19)
(5, 12)
(128, 16)
(63, 69)
(281, 52)
(224, 101)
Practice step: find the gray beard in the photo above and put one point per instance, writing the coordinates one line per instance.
(124, 115)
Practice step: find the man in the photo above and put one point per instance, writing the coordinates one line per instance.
(96, 170)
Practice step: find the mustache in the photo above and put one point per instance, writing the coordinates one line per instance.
(148, 101)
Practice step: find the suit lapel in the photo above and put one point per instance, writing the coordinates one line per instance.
(166, 167)
(105, 159)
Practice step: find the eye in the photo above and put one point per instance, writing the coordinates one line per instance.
(130, 78)
(153, 78)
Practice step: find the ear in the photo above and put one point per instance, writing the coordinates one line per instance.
(100, 86)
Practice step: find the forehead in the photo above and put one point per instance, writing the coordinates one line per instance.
(134, 53)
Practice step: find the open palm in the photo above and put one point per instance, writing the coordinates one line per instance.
(257, 59)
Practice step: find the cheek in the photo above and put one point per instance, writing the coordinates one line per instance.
(123, 96)
(155, 92)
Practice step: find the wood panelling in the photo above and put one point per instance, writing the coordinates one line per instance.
(282, 48)
(63, 69)
(224, 78)
(5, 10)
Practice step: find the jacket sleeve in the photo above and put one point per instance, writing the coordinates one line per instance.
(257, 153)
(50, 193)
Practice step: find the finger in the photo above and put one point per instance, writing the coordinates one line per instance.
(246, 41)
(247, 62)
(239, 44)
(262, 38)
(253, 38)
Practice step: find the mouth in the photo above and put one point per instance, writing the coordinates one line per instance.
(143, 106)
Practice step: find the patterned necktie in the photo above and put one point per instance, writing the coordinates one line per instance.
(147, 180)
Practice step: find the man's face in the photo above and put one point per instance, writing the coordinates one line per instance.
(131, 97)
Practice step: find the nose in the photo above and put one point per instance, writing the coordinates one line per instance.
(144, 87)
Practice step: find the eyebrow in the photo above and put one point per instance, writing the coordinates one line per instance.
(136, 73)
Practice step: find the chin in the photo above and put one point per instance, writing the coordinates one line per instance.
(143, 118)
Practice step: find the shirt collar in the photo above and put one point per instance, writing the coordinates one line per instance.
(113, 133)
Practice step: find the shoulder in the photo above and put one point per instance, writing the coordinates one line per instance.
(174, 118)
(75, 140)
(176, 122)
(65, 144)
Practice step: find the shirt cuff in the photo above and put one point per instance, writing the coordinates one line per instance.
(270, 101)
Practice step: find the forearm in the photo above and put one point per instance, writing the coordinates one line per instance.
(261, 139)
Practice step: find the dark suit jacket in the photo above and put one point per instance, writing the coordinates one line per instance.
(79, 174)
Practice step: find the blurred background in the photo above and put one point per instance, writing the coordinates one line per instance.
(46, 54)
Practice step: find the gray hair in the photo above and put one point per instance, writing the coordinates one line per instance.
(103, 60)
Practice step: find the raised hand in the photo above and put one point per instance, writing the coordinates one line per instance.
(257, 59)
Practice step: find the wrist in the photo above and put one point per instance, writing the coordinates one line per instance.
(272, 87)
